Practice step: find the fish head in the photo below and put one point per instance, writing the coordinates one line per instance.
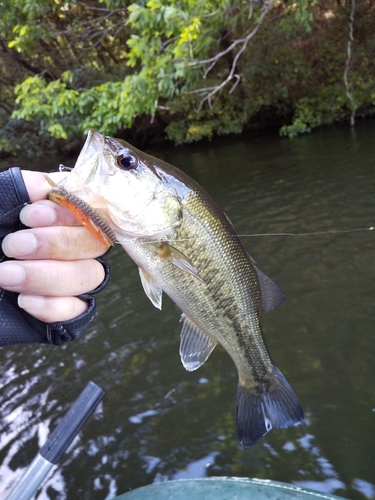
(128, 187)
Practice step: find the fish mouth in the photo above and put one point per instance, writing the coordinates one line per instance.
(95, 136)
(96, 154)
(99, 144)
(94, 143)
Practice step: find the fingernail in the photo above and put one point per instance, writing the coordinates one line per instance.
(11, 275)
(31, 302)
(20, 244)
(37, 214)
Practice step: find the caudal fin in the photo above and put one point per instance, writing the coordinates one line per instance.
(260, 409)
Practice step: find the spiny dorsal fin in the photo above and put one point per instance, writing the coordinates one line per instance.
(153, 292)
(195, 347)
(272, 295)
(178, 259)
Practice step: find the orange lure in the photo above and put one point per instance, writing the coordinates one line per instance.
(83, 212)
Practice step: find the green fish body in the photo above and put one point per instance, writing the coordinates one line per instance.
(185, 246)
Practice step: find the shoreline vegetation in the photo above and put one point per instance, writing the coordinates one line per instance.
(182, 70)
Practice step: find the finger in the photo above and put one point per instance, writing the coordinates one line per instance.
(51, 278)
(46, 213)
(52, 309)
(56, 242)
(37, 185)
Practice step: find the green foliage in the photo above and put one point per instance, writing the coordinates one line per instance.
(159, 48)
(227, 116)
(301, 13)
(324, 100)
(71, 66)
(308, 115)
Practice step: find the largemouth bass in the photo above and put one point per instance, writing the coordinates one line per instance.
(185, 246)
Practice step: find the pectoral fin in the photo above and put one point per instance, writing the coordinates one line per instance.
(178, 259)
(195, 347)
(153, 292)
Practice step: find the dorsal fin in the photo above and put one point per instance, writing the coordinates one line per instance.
(272, 295)
(195, 347)
(153, 292)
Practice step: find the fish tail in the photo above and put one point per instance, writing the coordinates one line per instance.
(273, 403)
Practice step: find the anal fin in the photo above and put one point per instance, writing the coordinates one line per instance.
(195, 347)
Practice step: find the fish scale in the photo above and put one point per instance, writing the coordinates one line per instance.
(186, 247)
(234, 272)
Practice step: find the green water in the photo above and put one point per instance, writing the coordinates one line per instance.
(158, 421)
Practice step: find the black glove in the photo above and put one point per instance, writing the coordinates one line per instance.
(16, 325)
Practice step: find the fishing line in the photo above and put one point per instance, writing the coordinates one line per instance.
(257, 235)
(313, 233)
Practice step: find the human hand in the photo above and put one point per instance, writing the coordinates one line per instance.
(55, 258)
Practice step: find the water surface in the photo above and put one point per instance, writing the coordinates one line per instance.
(158, 421)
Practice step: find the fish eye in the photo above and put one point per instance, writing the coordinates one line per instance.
(126, 162)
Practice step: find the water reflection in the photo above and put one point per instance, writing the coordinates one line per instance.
(367, 489)
(198, 468)
(159, 422)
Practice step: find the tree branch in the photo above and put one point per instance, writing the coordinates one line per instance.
(17, 57)
(347, 63)
(243, 42)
